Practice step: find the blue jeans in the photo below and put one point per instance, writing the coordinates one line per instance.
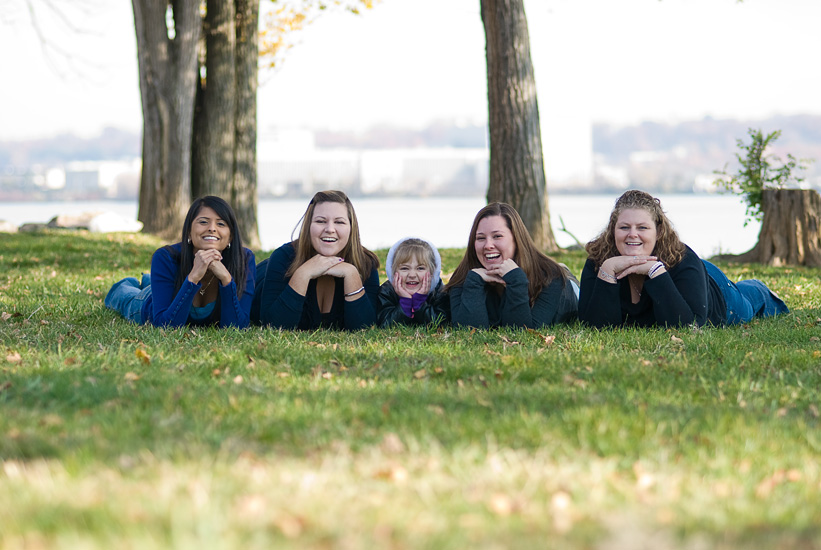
(127, 297)
(745, 299)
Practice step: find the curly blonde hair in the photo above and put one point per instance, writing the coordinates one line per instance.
(669, 249)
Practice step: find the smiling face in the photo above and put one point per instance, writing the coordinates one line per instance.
(412, 272)
(494, 241)
(209, 231)
(330, 228)
(635, 233)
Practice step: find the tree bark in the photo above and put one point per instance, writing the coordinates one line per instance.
(789, 230)
(167, 72)
(517, 174)
(244, 192)
(224, 150)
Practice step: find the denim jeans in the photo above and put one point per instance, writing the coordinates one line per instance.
(745, 299)
(127, 297)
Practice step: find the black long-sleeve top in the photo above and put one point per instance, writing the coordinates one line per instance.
(277, 304)
(684, 295)
(477, 304)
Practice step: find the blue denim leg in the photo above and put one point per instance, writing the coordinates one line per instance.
(127, 298)
(745, 299)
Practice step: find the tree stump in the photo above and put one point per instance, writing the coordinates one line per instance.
(789, 229)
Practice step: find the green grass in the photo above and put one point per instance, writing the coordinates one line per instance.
(113, 435)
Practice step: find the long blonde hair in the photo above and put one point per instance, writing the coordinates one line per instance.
(539, 268)
(354, 253)
(669, 249)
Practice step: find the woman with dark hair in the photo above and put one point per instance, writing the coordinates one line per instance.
(325, 278)
(639, 273)
(206, 279)
(504, 280)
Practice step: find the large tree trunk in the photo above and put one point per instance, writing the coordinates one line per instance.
(517, 174)
(167, 69)
(244, 192)
(789, 229)
(224, 150)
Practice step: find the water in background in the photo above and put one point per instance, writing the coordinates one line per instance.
(708, 223)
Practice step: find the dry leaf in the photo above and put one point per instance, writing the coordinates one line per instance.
(142, 355)
(283, 374)
(238, 379)
(5, 316)
(501, 505)
(13, 357)
(547, 339)
(131, 377)
(419, 374)
(676, 339)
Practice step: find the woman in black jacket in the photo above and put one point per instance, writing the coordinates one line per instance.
(639, 273)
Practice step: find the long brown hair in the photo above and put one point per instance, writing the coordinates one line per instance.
(354, 253)
(669, 249)
(539, 268)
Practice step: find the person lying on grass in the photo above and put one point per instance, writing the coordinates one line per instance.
(206, 279)
(504, 280)
(639, 273)
(325, 278)
(414, 293)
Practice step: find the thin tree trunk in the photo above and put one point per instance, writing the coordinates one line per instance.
(517, 174)
(167, 68)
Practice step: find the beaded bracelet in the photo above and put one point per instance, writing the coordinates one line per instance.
(654, 270)
(608, 277)
(355, 292)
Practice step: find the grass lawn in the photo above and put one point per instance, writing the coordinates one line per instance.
(118, 436)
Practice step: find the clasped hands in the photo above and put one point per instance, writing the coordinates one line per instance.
(209, 260)
(622, 266)
(495, 273)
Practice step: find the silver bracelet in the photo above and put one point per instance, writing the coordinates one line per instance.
(654, 269)
(360, 289)
(608, 276)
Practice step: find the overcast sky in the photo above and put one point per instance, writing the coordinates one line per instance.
(408, 62)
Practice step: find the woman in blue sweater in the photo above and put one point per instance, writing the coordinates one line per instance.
(639, 273)
(325, 278)
(206, 279)
(504, 280)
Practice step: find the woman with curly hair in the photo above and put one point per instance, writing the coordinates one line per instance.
(325, 278)
(504, 280)
(639, 273)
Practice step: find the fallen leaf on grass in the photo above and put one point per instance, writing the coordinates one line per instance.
(238, 379)
(142, 355)
(5, 316)
(547, 339)
(813, 410)
(394, 473)
(419, 374)
(766, 486)
(676, 339)
(392, 444)
(290, 526)
(13, 357)
(131, 377)
(501, 505)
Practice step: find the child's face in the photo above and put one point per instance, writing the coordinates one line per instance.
(412, 272)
